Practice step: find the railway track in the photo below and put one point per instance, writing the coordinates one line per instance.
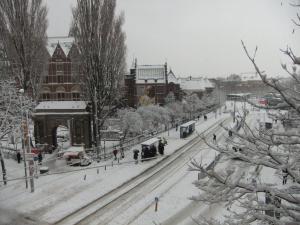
(103, 209)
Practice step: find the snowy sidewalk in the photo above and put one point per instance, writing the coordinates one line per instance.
(57, 195)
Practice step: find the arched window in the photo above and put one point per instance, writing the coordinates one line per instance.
(75, 93)
(61, 93)
(46, 94)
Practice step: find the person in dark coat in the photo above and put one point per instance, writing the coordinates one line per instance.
(205, 117)
(230, 133)
(161, 148)
(115, 152)
(214, 138)
(285, 176)
(136, 155)
(176, 125)
(40, 157)
(122, 153)
(19, 157)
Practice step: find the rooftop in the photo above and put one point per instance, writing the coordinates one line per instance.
(61, 105)
(64, 42)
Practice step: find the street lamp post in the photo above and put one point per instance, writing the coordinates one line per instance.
(31, 163)
(234, 112)
(104, 139)
(21, 91)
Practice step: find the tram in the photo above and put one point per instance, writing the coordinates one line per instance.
(149, 148)
(187, 129)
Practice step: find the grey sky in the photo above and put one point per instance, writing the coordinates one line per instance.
(199, 37)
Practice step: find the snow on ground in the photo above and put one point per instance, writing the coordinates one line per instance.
(175, 206)
(57, 195)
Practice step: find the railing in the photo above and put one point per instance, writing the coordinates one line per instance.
(107, 153)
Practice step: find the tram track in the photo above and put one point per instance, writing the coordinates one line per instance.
(115, 201)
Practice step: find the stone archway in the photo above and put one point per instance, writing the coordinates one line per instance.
(72, 114)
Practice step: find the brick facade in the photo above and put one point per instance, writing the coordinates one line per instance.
(61, 83)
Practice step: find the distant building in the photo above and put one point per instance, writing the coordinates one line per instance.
(244, 83)
(61, 82)
(190, 85)
(150, 81)
(198, 85)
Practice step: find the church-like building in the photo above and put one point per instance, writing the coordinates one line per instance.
(150, 81)
(61, 82)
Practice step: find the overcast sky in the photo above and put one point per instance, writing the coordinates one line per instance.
(199, 37)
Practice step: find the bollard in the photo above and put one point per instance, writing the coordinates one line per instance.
(97, 171)
(84, 178)
(118, 160)
(112, 163)
(199, 176)
(156, 204)
(105, 167)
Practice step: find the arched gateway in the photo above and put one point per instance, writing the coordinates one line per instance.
(72, 114)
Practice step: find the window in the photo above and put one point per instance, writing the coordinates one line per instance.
(60, 96)
(75, 96)
(46, 96)
(59, 67)
(60, 79)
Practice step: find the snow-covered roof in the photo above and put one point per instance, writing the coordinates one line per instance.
(75, 149)
(61, 105)
(188, 123)
(64, 42)
(247, 77)
(172, 77)
(194, 83)
(150, 141)
(150, 72)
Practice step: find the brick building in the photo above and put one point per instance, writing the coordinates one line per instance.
(61, 81)
(151, 81)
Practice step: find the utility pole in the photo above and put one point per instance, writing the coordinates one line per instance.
(3, 167)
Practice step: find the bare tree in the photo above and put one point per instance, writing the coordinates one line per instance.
(23, 25)
(275, 151)
(101, 42)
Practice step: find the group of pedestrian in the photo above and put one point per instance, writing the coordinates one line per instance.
(40, 157)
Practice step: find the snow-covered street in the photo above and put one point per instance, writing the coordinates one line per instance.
(58, 195)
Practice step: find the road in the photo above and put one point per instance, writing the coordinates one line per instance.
(171, 194)
(105, 209)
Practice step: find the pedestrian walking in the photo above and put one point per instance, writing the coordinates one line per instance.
(230, 133)
(136, 155)
(122, 153)
(176, 125)
(115, 152)
(284, 176)
(19, 157)
(40, 157)
(214, 138)
(161, 147)
(205, 117)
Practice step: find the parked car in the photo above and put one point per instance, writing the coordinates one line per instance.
(77, 157)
